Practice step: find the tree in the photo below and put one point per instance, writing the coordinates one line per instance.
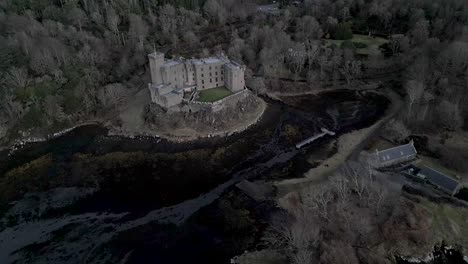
(17, 78)
(450, 114)
(351, 70)
(420, 32)
(111, 94)
(53, 109)
(414, 90)
(308, 28)
(138, 30)
(257, 84)
(113, 21)
(77, 17)
(214, 10)
(297, 56)
(343, 32)
(398, 43)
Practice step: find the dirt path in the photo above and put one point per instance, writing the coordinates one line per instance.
(348, 144)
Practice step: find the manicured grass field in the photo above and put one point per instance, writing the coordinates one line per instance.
(213, 94)
(372, 43)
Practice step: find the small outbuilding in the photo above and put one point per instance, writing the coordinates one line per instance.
(440, 180)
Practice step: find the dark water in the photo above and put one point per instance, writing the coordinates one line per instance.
(138, 175)
(462, 194)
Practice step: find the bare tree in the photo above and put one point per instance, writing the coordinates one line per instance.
(138, 30)
(53, 109)
(351, 70)
(450, 113)
(308, 28)
(319, 198)
(420, 32)
(214, 9)
(17, 77)
(113, 21)
(77, 17)
(297, 56)
(12, 108)
(111, 94)
(415, 90)
(297, 233)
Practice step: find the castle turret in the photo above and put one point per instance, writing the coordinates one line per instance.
(156, 60)
(234, 76)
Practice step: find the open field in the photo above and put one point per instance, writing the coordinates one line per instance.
(372, 43)
(214, 94)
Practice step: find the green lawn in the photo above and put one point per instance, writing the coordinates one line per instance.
(372, 43)
(213, 94)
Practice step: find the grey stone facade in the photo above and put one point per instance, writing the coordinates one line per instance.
(172, 79)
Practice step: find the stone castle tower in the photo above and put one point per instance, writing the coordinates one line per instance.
(156, 61)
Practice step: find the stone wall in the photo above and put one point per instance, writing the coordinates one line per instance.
(217, 106)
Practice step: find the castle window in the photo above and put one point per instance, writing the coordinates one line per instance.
(210, 68)
(202, 75)
(202, 81)
(216, 78)
(216, 73)
(222, 78)
(211, 80)
(210, 73)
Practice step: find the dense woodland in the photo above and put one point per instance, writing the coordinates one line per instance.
(66, 61)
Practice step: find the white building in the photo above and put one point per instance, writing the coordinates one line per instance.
(170, 79)
(396, 155)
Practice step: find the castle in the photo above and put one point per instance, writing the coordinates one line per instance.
(174, 80)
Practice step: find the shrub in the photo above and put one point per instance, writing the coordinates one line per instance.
(347, 44)
(360, 45)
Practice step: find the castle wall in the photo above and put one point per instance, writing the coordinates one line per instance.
(209, 75)
(174, 73)
(190, 71)
(195, 106)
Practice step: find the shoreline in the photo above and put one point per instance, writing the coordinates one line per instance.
(113, 131)
(19, 143)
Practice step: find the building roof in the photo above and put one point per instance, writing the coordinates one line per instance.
(158, 86)
(397, 153)
(234, 65)
(439, 179)
(172, 63)
(210, 60)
